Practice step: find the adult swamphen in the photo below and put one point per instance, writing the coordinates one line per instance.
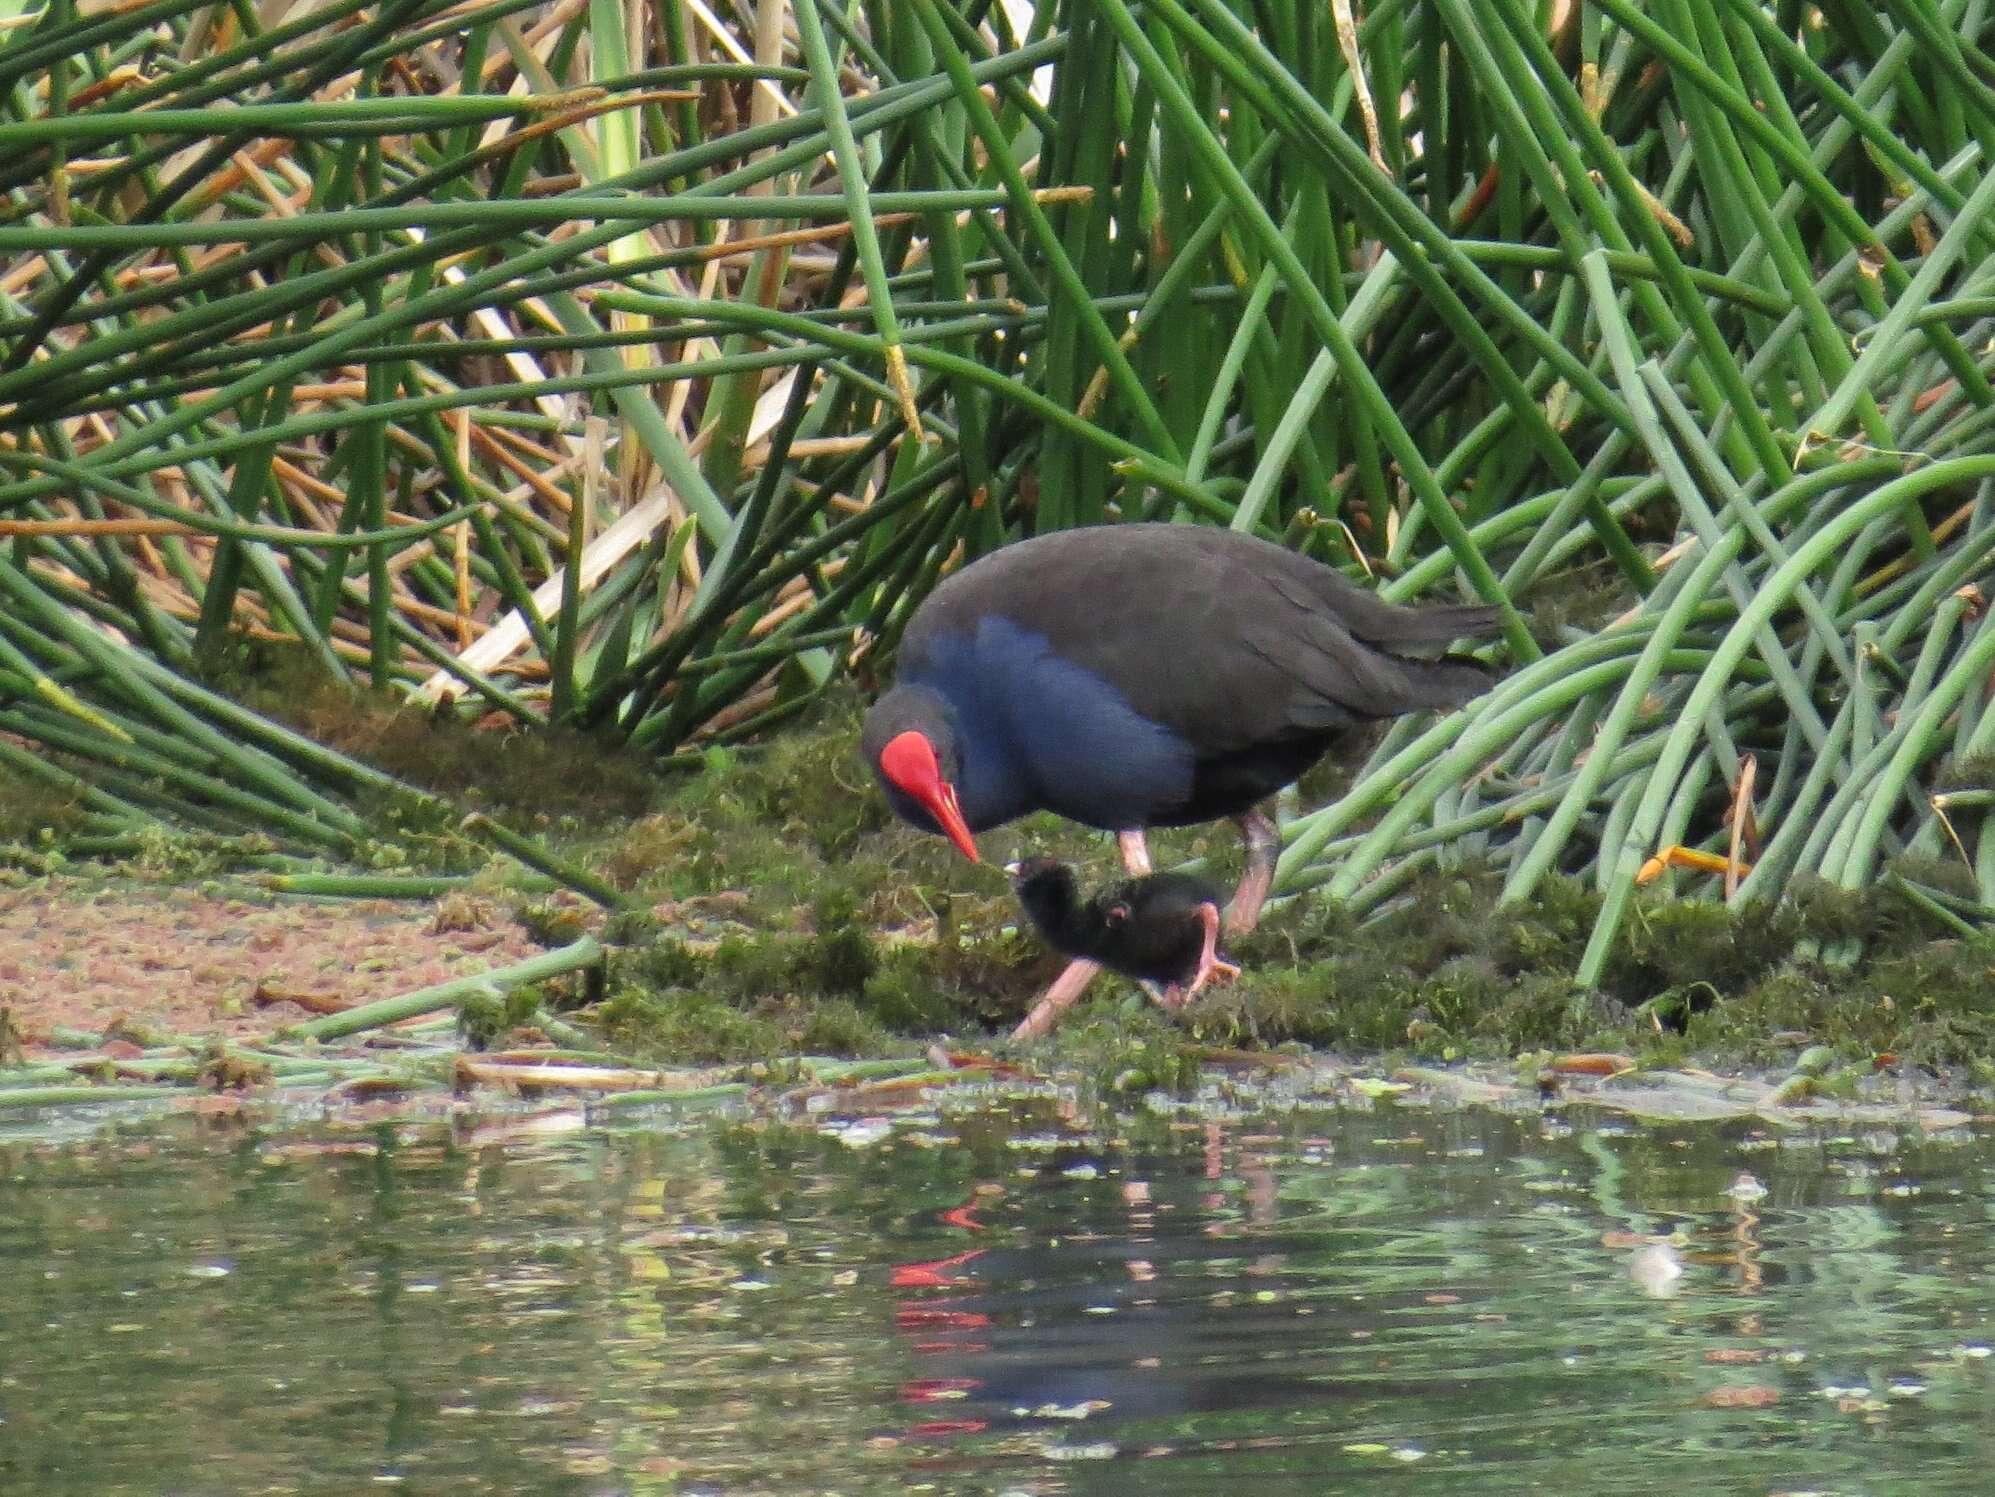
(1162, 930)
(1139, 675)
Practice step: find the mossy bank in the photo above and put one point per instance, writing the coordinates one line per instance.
(772, 907)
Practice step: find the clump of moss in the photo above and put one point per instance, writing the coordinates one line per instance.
(171, 852)
(814, 789)
(747, 969)
(968, 966)
(1667, 947)
(1550, 932)
(661, 962)
(1445, 916)
(1363, 1000)
(34, 812)
(834, 1026)
(1947, 875)
(647, 847)
(1925, 1001)
(840, 989)
(842, 955)
(1444, 971)
(1299, 1001)
(552, 921)
(485, 1019)
(1865, 925)
(1828, 914)
(488, 761)
(903, 994)
(710, 836)
(687, 1026)
(631, 927)
(986, 972)
(1930, 1000)
(697, 1027)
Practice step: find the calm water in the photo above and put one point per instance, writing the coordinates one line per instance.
(1005, 1296)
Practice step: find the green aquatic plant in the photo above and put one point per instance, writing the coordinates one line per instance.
(486, 1019)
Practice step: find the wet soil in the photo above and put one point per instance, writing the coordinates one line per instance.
(100, 955)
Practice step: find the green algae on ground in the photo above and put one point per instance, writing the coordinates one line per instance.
(485, 1020)
(544, 774)
(798, 913)
(1442, 973)
(692, 1026)
(33, 811)
(777, 907)
(1447, 972)
(832, 986)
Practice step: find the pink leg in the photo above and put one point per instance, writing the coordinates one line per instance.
(1264, 845)
(1209, 964)
(1175, 996)
(1058, 998)
(1135, 853)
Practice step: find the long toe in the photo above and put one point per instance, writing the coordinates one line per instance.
(1209, 960)
(1210, 972)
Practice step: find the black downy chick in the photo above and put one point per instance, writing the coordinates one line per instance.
(1162, 929)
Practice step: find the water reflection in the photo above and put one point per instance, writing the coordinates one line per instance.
(1009, 1295)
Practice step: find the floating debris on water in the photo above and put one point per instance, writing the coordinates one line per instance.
(1745, 1189)
(1100, 1451)
(861, 1133)
(1656, 1269)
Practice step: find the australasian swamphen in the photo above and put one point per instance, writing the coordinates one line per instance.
(1138, 675)
(1161, 930)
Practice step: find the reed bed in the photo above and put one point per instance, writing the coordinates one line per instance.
(638, 366)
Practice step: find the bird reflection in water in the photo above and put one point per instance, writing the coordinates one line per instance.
(1094, 1324)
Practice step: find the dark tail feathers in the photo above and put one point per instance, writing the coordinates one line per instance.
(1447, 682)
(1415, 626)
